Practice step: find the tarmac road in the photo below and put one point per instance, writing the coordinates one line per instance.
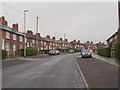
(50, 72)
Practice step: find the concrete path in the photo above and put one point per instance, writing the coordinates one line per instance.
(106, 59)
(98, 74)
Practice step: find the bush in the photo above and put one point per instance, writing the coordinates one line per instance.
(117, 50)
(29, 51)
(4, 54)
(46, 51)
(77, 50)
(104, 51)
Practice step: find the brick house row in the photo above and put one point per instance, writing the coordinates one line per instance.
(12, 39)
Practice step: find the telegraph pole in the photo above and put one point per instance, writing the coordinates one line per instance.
(25, 32)
(118, 20)
(55, 40)
(64, 41)
(37, 33)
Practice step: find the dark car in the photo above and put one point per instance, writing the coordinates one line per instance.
(71, 51)
(54, 52)
(86, 53)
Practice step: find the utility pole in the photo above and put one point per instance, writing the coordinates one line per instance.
(119, 13)
(37, 33)
(25, 32)
(118, 20)
(55, 40)
(64, 41)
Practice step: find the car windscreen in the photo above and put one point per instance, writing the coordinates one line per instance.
(86, 51)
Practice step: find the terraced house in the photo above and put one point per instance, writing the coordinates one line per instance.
(13, 40)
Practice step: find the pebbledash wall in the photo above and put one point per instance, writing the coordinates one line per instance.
(12, 40)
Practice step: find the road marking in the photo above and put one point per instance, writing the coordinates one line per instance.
(80, 71)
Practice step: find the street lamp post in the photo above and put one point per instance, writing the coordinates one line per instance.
(25, 32)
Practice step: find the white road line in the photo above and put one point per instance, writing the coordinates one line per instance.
(84, 80)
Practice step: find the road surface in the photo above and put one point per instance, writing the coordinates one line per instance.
(48, 72)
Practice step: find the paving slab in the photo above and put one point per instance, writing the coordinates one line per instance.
(98, 74)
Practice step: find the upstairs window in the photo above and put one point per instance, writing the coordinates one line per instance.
(7, 35)
(14, 36)
(21, 39)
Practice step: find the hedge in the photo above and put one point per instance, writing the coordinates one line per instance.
(29, 51)
(77, 50)
(117, 50)
(4, 54)
(104, 51)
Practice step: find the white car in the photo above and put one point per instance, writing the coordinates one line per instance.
(86, 53)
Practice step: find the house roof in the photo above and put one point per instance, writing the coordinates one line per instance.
(112, 36)
(9, 29)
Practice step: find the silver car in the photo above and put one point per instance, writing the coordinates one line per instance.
(86, 53)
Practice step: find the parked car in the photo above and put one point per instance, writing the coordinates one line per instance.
(71, 51)
(57, 52)
(86, 53)
(54, 52)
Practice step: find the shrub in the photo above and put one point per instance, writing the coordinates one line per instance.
(46, 51)
(77, 50)
(29, 51)
(104, 51)
(117, 50)
(4, 54)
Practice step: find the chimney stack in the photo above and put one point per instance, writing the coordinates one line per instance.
(53, 38)
(38, 34)
(3, 21)
(60, 39)
(29, 32)
(48, 36)
(74, 40)
(15, 26)
(66, 40)
(79, 41)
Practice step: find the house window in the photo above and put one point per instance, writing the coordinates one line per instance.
(14, 36)
(28, 44)
(41, 42)
(41, 48)
(44, 43)
(7, 35)
(53, 44)
(115, 37)
(20, 47)
(21, 38)
(7, 47)
(3, 43)
(33, 41)
(14, 47)
(111, 39)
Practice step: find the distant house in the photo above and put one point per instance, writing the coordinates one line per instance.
(100, 45)
(112, 40)
(90, 45)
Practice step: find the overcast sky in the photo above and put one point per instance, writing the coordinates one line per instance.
(93, 21)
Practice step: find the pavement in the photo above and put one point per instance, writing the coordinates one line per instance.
(112, 61)
(59, 71)
(98, 74)
(21, 60)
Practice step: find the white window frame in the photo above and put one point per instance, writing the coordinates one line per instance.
(41, 42)
(14, 47)
(3, 44)
(8, 35)
(21, 47)
(14, 36)
(33, 41)
(21, 39)
(25, 40)
(7, 47)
